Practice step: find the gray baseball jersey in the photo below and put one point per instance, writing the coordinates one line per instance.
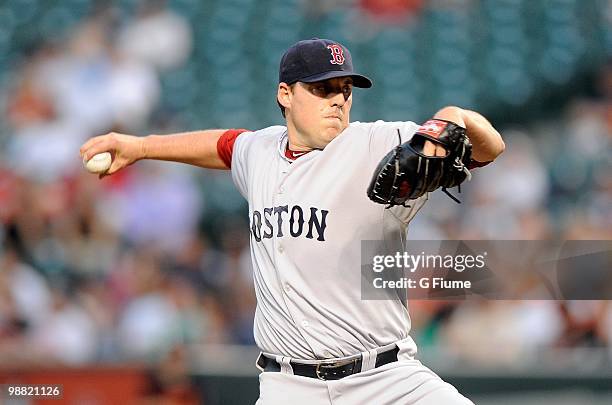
(307, 220)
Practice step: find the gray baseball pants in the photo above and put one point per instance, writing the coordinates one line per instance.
(405, 381)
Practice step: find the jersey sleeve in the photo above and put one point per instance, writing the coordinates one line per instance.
(239, 159)
(384, 136)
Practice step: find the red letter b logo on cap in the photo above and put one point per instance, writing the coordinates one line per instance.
(337, 54)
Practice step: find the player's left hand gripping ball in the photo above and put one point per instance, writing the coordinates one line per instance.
(406, 173)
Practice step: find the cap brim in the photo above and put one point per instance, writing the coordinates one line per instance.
(358, 80)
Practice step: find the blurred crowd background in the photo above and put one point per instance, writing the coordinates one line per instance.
(136, 266)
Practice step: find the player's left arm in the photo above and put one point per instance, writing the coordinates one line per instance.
(487, 143)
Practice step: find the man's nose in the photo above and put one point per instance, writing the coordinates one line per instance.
(338, 99)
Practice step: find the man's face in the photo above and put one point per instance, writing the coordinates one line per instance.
(320, 111)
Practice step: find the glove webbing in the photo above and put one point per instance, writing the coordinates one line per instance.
(459, 166)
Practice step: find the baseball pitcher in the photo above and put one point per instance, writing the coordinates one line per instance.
(316, 187)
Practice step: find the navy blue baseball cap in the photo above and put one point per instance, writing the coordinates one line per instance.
(314, 60)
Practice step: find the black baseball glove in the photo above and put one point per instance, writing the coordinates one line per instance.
(406, 173)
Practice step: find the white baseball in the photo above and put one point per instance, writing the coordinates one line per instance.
(99, 163)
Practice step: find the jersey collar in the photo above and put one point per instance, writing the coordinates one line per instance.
(283, 149)
(283, 141)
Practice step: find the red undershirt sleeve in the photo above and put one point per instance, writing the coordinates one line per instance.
(225, 145)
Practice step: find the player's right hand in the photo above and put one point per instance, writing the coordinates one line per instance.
(124, 150)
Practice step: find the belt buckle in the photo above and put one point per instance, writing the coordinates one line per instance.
(333, 364)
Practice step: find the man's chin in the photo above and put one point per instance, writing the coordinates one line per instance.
(327, 135)
(332, 132)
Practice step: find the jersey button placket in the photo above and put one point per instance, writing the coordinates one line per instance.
(281, 187)
(280, 198)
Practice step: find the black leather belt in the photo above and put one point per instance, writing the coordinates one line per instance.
(328, 369)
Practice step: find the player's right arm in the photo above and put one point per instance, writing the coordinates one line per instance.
(198, 148)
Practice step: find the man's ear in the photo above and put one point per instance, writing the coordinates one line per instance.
(283, 94)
